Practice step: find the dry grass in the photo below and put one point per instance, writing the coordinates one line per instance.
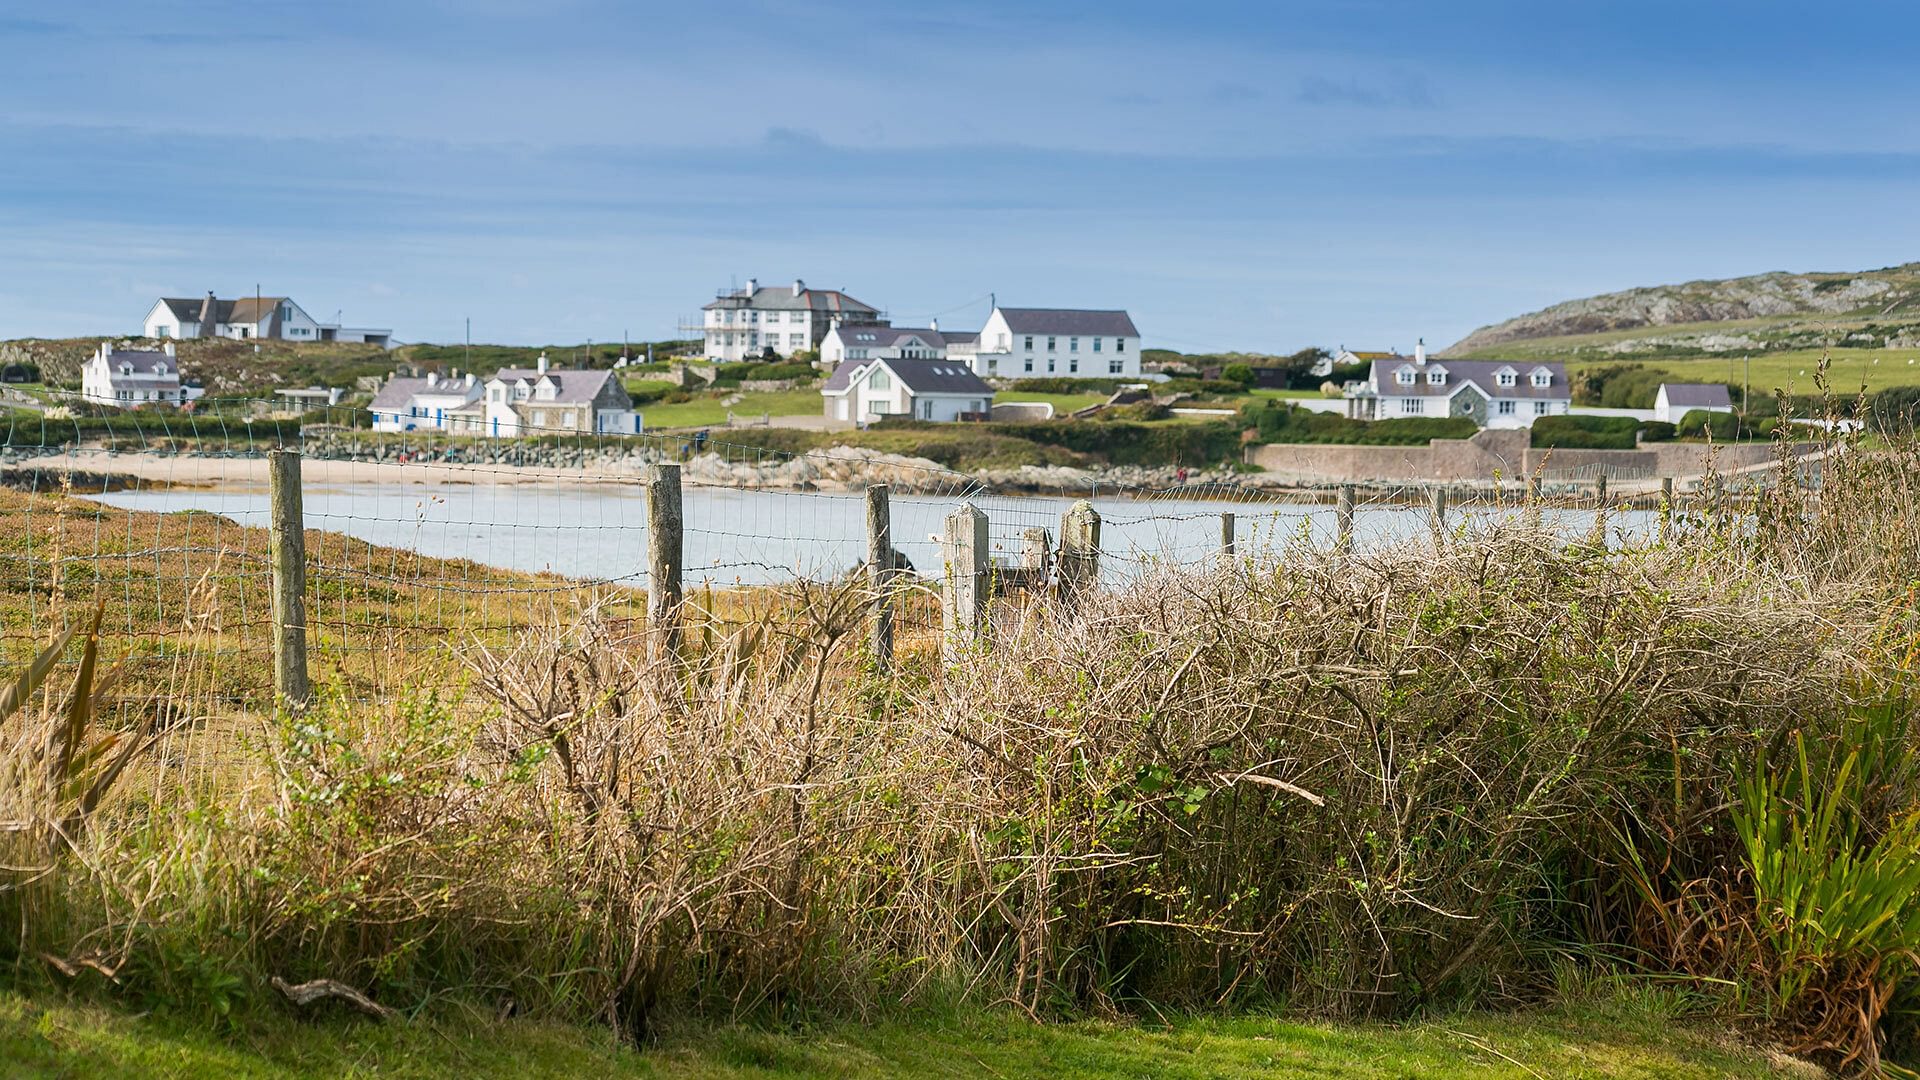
(1353, 785)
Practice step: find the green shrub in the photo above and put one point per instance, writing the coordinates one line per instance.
(1239, 374)
(1279, 422)
(1584, 432)
(1895, 409)
(1721, 426)
(1657, 431)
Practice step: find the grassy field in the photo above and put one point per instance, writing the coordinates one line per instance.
(1287, 395)
(1793, 370)
(709, 412)
(55, 1038)
(1062, 403)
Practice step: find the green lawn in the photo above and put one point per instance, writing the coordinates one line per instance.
(708, 412)
(1794, 369)
(1062, 403)
(1287, 395)
(60, 1039)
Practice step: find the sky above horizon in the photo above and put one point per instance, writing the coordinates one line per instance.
(1256, 176)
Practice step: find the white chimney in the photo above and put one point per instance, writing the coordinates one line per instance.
(433, 378)
(753, 285)
(541, 364)
(469, 380)
(933, 325)
(799, 286)
(1420, 351)
(167, 348)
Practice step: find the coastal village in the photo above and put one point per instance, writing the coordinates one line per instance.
(1316, 416)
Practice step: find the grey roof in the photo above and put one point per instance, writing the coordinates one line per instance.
(142, 360)
(574, 386)
(884, 337)
(1698, 395)
(782, 298)
(1069, 321)
(396, 393)
(1481, 373)
(920, 376)
(244, 310)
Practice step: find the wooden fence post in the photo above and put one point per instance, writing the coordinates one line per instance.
(1079, 552)
(880, 571)
(1600, 490)
(963, 597)
(665, 542)
(1226, 536)
(1666, 507)
(288, 547)
(1438, 500)
(1343, 519)
(1036, 552)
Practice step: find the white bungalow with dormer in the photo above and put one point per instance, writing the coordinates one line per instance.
(131, 378)
(1491, 393)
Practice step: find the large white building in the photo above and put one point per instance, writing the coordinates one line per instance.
(745, 324)
(1491, 393)
(1062, 342)
(422, 403)
(250, 317)
(863, 391)
(1673, 401)
(131, 378)
(543, 400)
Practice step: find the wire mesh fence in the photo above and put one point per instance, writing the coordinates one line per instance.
(418, 539)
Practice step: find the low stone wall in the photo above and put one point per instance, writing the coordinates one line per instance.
(1505, 453)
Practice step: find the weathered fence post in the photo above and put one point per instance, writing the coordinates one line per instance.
(1666, 507)
(1438, 499)
(665, 539)
(963, 597)
(1600, 490)
(1036, 551)
(1227, 544)
(1343, 519)
(288, 547)
(1079, 552)
(880, 570)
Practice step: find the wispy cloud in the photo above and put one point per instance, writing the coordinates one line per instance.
(1392, 91)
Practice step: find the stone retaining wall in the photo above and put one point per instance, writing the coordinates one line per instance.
(1506, 453)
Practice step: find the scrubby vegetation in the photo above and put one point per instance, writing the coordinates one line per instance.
(1368, 785)
(1279, 422)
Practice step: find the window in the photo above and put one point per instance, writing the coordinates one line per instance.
(1436, 378)
(879, 381)
(1029, 343)
(1050, 343)
(1540, 408)
(926, 410)
(796, 341)
(1029, 367)
(1115, 367)
(539, 418)
(1508, 378)
(1404, 376)
(1073, 363)
(1073, 344)
(1543, 378)
(1049, 365)
(1506, 408)
(164, 331)
(1096, 344)
(566, 419)
(1413, 406)
(1119, 344)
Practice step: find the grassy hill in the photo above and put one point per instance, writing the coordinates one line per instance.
(1769, 330)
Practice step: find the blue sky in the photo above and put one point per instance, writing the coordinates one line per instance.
(1240, 176)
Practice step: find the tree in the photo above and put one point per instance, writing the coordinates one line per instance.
(1238, 373)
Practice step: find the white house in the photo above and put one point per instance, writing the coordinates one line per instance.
(417, 404)
(1065, 342)
(742, 324)
(878, 341)
(1344, 356)
(1491, 393)
(862, 391)
(1673, 401)
(548, 401)
(134, 377)
(250, 317)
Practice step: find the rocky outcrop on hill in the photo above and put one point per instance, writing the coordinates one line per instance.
(1881, 292)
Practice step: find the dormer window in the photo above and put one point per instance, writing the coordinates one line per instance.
(1507, 377)
(1405, 376)
(1542, 377)
(126, 368)
(159, 369)
(1437, 377)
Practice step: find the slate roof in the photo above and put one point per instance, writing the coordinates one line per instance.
(1698, 395)
(245, 310)
(1482, 373)
(397, 393)
(782, 298)
(574, 386)
(920, 376)
(1069, 321)
(143, 361)
(884, 337)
